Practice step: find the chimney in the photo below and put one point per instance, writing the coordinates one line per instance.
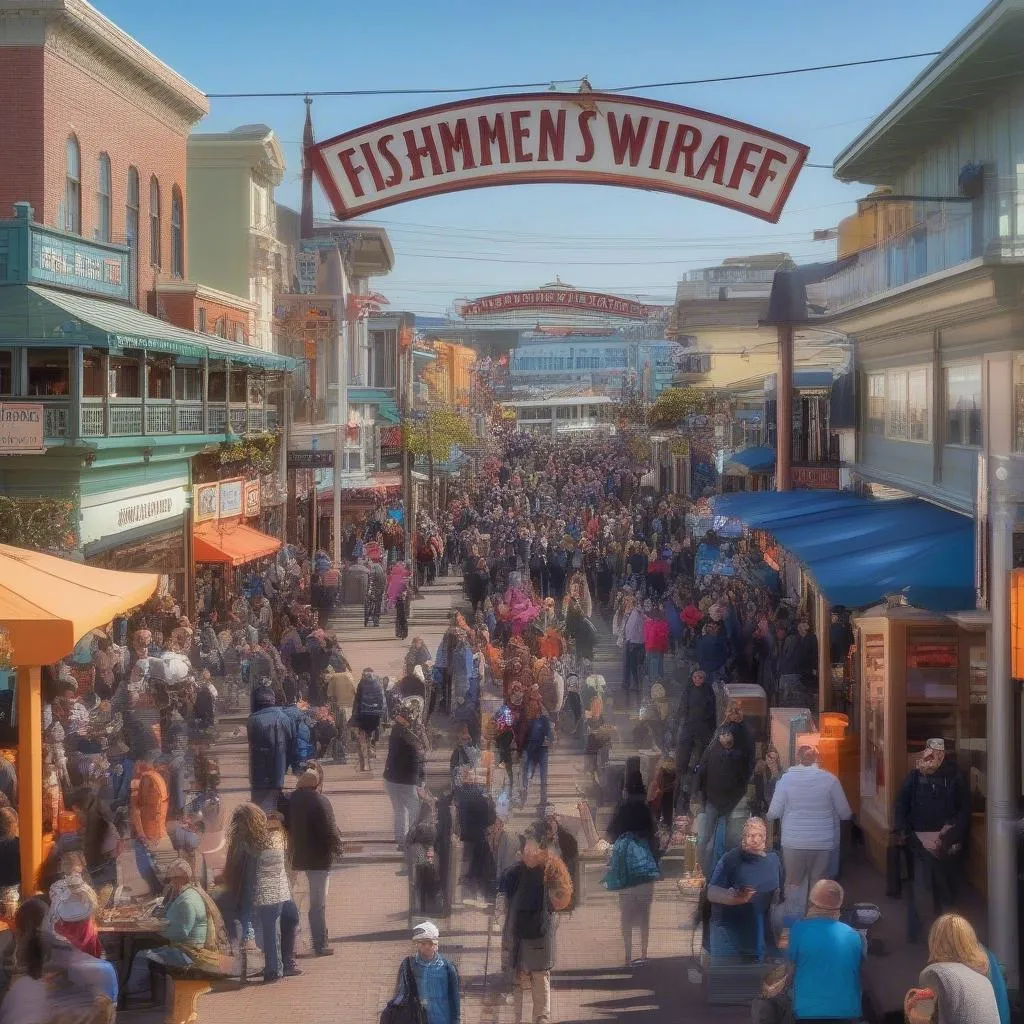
(306, 219)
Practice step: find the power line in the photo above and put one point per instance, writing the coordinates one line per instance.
(440, 91)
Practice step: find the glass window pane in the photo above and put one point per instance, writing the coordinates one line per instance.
(6, 373)
(896, 404)
(917, 405)
(963, 404)
(49, 371)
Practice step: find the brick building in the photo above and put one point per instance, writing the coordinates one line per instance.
(95, 130)
(198, 307)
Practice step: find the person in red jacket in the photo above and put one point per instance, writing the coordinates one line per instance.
(656, 641)
(691, 620)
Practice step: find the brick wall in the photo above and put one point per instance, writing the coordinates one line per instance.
(48, 95)
(181, 308)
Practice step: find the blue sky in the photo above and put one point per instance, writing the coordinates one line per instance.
(519, 237)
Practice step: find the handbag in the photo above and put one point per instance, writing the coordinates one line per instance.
(408, 1010)
(632, 864)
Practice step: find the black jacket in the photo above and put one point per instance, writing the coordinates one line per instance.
(927, 803)
(634, 815)
(697, 712)
(406, 763)
(312, 832)
(271, 735)
(723, 776)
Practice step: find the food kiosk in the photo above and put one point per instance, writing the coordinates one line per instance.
(920, 675)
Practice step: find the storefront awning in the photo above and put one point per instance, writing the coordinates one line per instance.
(231, 544)
(858, 550)
(751, 460)
(32, 312)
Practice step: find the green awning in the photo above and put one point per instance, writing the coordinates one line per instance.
(35, 313)
(388, 412)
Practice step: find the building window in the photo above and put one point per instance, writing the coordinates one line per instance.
(240, 334)
(49, 371)
(875, 418)
(127, 379)
(6, 372)
(154, 222)
(239, 387)
(73, 187)
(963, 404)
(103, 189)
(188, 383)
(383, 359)
(201, 319)
(177, 234)
(131, 227)
(217, 386)
(907, 408)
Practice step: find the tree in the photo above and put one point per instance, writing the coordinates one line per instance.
(673, 405)
(435, 437)
(43, 524)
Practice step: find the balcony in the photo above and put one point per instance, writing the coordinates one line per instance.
(126, 417)
(940, 238)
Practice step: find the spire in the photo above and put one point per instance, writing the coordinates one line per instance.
(306, 220)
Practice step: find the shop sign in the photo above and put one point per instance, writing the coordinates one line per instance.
(252, 498)
(306, 266)
(231, 498)
(72, 263)
(21, 428)
(582, 138)
(205, 502)
(310, 459)
(122, 514)
(556, 298)
(816, 478)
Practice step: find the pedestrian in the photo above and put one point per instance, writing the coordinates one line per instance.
(402, 612)
(810, 805)
(632, 651)
(932, 814)
(633, 824)
(368, 709)
(278, 915)
(826, 957)
(315, 845)
(957, 978)
(271, 737)
(540, 735)
(535, 889)
(656, 641)
(428, 977)
(697, 717)
(405, 768)
(721, 778)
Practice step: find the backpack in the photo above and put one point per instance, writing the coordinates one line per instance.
(303, 741)
(371, 699)
(632, 863)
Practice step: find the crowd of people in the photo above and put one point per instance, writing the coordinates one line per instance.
(555, 548)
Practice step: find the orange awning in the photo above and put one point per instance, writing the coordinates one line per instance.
(231, 543)
(48, 604)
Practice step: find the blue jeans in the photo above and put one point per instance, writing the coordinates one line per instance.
(278, 949)
(632, 666)
(532, 762)
(319, 882)
(655, 666)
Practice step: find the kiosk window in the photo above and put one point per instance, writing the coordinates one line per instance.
(932, 666)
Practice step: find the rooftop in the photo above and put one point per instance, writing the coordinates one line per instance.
(972, 68)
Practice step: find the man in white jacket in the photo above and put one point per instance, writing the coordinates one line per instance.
(810, 803)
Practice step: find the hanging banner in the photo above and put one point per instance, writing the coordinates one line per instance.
(556, 298)
(586, 138)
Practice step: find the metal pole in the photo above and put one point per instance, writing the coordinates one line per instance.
(1001, 818)
(406, 413)
(339, 447)
(784, 411)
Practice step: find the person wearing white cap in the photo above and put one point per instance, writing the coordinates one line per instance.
(430, 978)
(933, 814)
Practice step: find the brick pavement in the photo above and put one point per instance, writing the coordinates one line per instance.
(368, 904)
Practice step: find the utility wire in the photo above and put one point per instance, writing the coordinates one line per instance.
(544, 85)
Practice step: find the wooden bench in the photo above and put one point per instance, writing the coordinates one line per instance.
(188, 984)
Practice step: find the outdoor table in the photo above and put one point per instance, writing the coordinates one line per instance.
(131, 938)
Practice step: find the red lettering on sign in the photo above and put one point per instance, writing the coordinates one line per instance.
(456, 140)
(630, 138)
(716, 158)
(766, 172)
(371, 163)
(552, 136)
(384, 148)
(489, 135)
(659, 145)
(685, 144)
(352, 171)
(416, 153)
(747, 149)
(588, 136)
(520, 133)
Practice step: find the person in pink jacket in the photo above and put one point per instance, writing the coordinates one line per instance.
(656, 641)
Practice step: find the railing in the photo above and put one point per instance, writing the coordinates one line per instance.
(123, 417)
(939, 237)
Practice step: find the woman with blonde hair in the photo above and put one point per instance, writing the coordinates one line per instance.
(957, 978)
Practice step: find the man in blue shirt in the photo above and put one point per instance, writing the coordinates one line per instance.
(826, 957)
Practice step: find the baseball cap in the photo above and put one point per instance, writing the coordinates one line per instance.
(426, 931)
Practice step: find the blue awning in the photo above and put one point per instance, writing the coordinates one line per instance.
(751, 460)
(858, 550)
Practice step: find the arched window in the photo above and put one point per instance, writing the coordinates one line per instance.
(103, 189)
(73, 187)
(132, 214)
(177, 234)
(154, 221)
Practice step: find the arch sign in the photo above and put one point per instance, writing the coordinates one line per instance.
(584, 138)
(556, 299)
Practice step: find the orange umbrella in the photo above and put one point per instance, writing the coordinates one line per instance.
(48, 604)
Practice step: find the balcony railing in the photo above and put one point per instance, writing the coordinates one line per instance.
(939, 237)
(125, 417)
